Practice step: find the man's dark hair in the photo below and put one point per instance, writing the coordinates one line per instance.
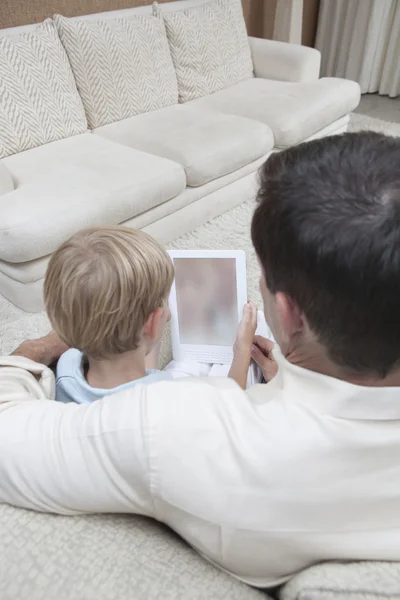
(327, 233)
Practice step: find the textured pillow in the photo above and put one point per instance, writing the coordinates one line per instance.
(39, 102)
(122, 67)
(340, 581)
(209, 47)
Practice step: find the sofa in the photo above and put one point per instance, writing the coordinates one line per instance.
(165, 160)
(156, 117)
(123, 557)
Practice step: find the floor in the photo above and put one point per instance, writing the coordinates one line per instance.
(380, 107)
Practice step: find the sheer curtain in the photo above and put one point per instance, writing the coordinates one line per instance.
(360, 40)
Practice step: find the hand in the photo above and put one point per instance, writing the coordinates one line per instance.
(242, 347)
(246, 330)
(44, 350)
(262, 354)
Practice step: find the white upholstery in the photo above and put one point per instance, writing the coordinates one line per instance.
(22, 283)
(87, 151)
(228, 188)
(284, 62)
(201, 156)
(122, 67)
(106, 557)
(80, 182)
(361, 580)
(207, 144)
(39, 99)
(209, 47)
(339, 126)
(6, 181)
(294, 112)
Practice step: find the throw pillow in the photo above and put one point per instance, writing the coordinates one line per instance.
(39, 102)
(209, 47)
(122, 67)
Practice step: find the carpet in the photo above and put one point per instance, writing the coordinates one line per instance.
(230, 230)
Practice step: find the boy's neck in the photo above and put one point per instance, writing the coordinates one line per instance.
(111, 372)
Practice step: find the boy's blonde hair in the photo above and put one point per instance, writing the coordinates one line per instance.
(101, 287)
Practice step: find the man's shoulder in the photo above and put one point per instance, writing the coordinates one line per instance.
(188, 403)
(187, 389)
(197, 395)
(219, 384)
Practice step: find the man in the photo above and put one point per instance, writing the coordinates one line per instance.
(266, 482)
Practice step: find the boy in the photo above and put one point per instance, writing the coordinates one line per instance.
(106, 293)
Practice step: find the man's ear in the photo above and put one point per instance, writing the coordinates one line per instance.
(291, 318)
(152, 326)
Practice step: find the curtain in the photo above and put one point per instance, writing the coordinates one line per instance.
(288, 21)
(360, 40)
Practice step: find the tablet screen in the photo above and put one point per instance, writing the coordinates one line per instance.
(206, 295)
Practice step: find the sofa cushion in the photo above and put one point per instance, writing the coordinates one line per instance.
(83, 181)
(294, 111)
(6, 181)
(122, 67)
(38, 95)
(105, 557)
(348, 581)
(206, 143)
(209, 47)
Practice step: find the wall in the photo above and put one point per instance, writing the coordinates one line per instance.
(22, 12)
(259, 14)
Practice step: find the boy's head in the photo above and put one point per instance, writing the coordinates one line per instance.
(106, 290)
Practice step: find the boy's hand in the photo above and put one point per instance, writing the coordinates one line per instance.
(243, 345)
(262, 355)
(246, 330)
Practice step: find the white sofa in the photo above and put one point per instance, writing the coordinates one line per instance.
(166, 170)
(123, 557)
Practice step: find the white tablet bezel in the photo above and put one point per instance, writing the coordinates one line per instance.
(203, 352)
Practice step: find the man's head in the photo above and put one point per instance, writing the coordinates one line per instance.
(327, 235)
(106, 291)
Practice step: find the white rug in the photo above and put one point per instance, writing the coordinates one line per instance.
(230, 230)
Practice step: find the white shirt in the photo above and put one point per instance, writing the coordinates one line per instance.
(263, 483)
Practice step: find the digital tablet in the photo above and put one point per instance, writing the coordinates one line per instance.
(206, 303)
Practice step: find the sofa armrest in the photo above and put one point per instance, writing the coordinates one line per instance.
(6, 181)
(284, 62)
(345, 581)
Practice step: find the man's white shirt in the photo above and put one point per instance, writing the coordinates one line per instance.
(263, 483)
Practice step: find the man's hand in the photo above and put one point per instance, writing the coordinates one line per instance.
(45, 350)
(243, 346)
(262, 354)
